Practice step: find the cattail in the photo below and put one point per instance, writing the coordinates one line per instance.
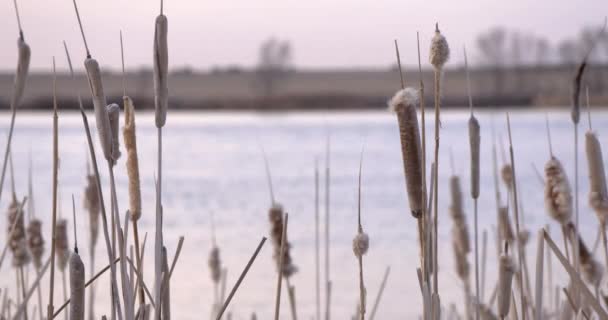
(506, 269)
(404, 105)
(598, 194)
(440, 51)
(505, 228)
(114, 116)
(460, 236)
(215, 264)
(161, 68)
(35, 241)
(524, 236)
(474, 141)
(360, 244)
(591, 269)
(17, 240)
(76, 287)
(275, 215)
(456, 210)
(61, 244)
(102, 119)
(23, 65)
(93, 206)
(462, 265)
(558, 196)
(506, 173)
(132, 163)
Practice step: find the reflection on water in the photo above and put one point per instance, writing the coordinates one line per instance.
(213, 164)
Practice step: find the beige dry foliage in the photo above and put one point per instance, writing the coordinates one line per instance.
(129, 136)
(598, 193)
(35, 241)
(558, 195)
(404, 104)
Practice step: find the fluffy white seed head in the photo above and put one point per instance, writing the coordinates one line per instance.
(598, 193)
(404, 98)
(404, 105)
(440, 50)
(558, 195)
(23, 65)
(360, 244)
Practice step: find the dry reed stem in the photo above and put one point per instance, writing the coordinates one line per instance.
(277, 305)
(439, 54)
(166, 289)
(484, 248)
(21, 308)
(54, 209)
(575, 277)
(538, 306)
(243, 274)
(516, 210)
(317, 247)
(360, 248)
(380, 291)
(327, 229)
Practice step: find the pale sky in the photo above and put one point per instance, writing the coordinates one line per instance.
(324, 33)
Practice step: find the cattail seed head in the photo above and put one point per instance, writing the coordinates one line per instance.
(93, 206)
(506, 269)
(504, 225)
(35, 241)
(462, 265)
(102, 120)
(360, 244)
(23, 65)
(598, 193)
(161, 70)
(460, 236)
(132, 161)
(474, 142)
(215, 264)
(404, 104)
(456, 210)
(275, 215)
(17, 241)
(558, 196)
(506, 173)
(592, 271)
(440, 51)
(114, 116)
(61, 243)
(486, 313)
(76, 287)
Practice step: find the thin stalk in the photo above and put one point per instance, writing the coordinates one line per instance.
(50, 307)
(35, 285)
(277, 305)
(22, 276)
(241, 277)
(291, 294)
(327, 228)
(576, 249)
(425, 217)
(317, 257)
(379, 296)
(436, 197)
(159, 224)
(484, 251)
(516, 210)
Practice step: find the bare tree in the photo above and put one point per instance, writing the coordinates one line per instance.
(493, 52)
(568, 52)
(273, 66)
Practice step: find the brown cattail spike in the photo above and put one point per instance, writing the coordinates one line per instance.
(404, 104)
(114, 117)
(77, 286)
(506, 269)
(61, 243)
(598, 193)
(558, 196)
(132, 159)
(275, 215)
(93, 207)
(17, 241)
(35, 241)
(215, 264)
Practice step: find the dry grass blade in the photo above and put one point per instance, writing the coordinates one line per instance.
(379, 296)
(241, 277)
(30, 292)
(277, 305)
